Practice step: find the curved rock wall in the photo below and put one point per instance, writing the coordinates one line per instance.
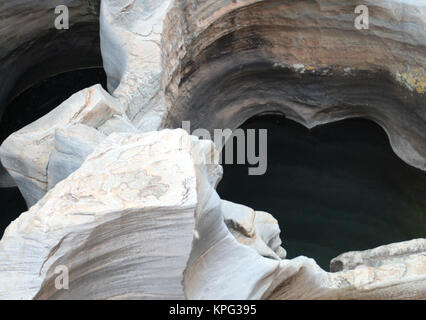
(33, 50)
(304, 58)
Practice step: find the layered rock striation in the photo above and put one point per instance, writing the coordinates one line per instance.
(33, 49)
(218, 63)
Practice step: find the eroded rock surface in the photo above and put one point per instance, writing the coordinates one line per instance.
(140, 219)
(126, 215)
(218, 63)
(393, 253)
(48, 150)
(123, 223)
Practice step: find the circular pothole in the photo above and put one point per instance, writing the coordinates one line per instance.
(336, 188)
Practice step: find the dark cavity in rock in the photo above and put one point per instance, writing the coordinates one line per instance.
(336, 188)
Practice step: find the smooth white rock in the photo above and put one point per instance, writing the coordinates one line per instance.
(26, 154)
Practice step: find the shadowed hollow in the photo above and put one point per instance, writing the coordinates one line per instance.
(336, 188)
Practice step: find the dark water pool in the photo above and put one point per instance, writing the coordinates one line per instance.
(335, 188)
(12, 204)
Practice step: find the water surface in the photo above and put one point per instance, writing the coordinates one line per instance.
(336, 188)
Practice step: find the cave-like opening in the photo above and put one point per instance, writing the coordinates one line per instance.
(335, 188)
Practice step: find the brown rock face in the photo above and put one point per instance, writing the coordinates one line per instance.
(307, 60)
(217, 63)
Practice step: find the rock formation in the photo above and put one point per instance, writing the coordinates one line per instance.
(302, 58)
(57, 144)
(141, 219)
(131, 209)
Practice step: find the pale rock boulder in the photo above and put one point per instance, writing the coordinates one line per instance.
(392, 253)
(122, 224)
(394, 271)
(90, 115)
(231, 271)
(72, 146)
(125, 224)
(255, 229)
(141, 219)
(133, 46)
